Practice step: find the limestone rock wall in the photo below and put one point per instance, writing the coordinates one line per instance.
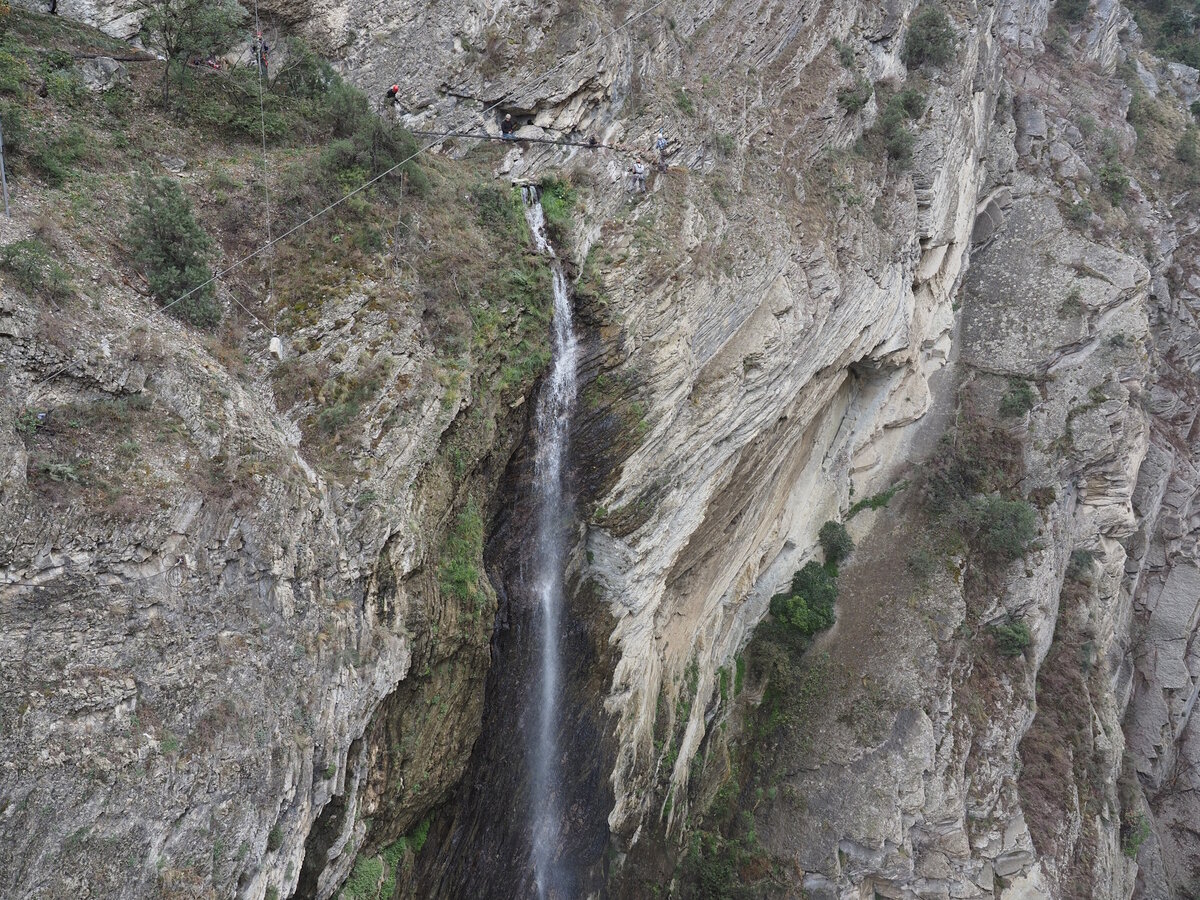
(768, 322)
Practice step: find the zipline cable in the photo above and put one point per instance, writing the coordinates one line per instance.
(587, 145)
(336, 203)
(260, 53)
(362, 187)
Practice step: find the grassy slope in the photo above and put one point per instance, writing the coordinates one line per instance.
(461, 272)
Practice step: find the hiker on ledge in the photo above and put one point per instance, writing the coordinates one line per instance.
(638, 171)
(661, 146)
(507, 127)
(391, 94)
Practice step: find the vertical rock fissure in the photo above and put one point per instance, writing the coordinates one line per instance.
(553, 509)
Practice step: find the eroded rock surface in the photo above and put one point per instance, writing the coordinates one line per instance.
(779, 326)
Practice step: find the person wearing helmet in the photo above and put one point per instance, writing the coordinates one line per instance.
(660, 145)
(392, 93)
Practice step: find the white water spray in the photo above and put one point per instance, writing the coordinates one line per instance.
(553, 423)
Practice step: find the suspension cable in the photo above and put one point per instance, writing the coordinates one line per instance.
(272, 241)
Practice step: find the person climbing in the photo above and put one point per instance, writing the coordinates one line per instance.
(391, 94)
(660, 145)
(261, 50)
(507, 127)
(638, 171)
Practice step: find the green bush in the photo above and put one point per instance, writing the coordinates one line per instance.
(1133, 835)
(183, 29)
(1186, 150)
(835, 541)
(1003, 529)
(1079, 213)
(54, 157)
(35, 270)
(685, 103)
(1114, 181)
(1072, 10)
(171, 249)
(922, 563)
(63, 87)
(808, 607)
(558, 201)
(854, 98)
(1018, 399)
(892, 125)
(12, 72)
(930, 39)
(304, 75)
(1081, 565)
(274, 838)
(845, 53)
(459, 575)
(1012, 637)
(499, 210)
(15, 134)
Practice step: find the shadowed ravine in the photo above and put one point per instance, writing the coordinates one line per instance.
(553, 424)
(529, 819)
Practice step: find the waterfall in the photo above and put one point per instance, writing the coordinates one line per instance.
(553, 510)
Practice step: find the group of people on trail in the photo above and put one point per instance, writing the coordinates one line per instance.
(637, 171)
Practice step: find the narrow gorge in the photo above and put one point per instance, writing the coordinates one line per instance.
(576, 449)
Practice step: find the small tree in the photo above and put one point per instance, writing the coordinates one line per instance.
(1012, 637)
(808, 606)
(835, 541)
(930, 39)
(171, 249)
(181, 29)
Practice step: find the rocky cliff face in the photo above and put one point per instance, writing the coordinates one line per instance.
(783, 325)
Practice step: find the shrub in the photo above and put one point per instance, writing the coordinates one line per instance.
(170, 248)
(930, 39)
(12, 72)
(1004, 528)
(182, 29)
(1012, 637)
(558, 199)
(854, 98)
(274, 838)
(921, 563)
(1081, 565)
(304, 75)
(1195, 108)
(1114, 181)
(54, 157)
(498, 209)
(685, 103)
(35, 270)
(808, 607)
(1072, 10)
(845, 53)
(1133, 835)
(835, 541)
(15, 133)
(1186, 150)
(459, 576)
(1018, 400)
(1079, 213)
(876, 501)
(897, 137)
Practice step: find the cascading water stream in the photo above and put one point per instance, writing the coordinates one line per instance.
(553, 422)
